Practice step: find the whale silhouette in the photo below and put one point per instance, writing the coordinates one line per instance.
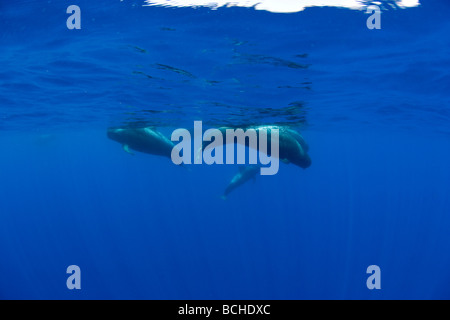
(146, 140)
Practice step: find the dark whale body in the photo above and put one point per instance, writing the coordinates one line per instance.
(292, 147)
(146, 140)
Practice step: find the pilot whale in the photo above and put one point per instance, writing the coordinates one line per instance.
(146, 140)
(292, 147)
(245, 174)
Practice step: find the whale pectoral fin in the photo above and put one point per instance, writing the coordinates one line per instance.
(300, 148)
(285, 161)
(126, 148)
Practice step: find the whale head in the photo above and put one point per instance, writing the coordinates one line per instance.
(303, 162)
(117, 134)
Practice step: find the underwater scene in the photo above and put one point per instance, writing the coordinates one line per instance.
(213, 150)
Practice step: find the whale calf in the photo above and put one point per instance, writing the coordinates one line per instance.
(245, 174)
(146, 140)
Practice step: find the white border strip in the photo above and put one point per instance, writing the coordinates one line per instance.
(279, 6)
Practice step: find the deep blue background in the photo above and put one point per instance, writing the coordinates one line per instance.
(377, 121)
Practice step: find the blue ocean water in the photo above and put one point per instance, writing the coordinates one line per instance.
(373, 106)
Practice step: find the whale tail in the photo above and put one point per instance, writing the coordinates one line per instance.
(224, 197)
